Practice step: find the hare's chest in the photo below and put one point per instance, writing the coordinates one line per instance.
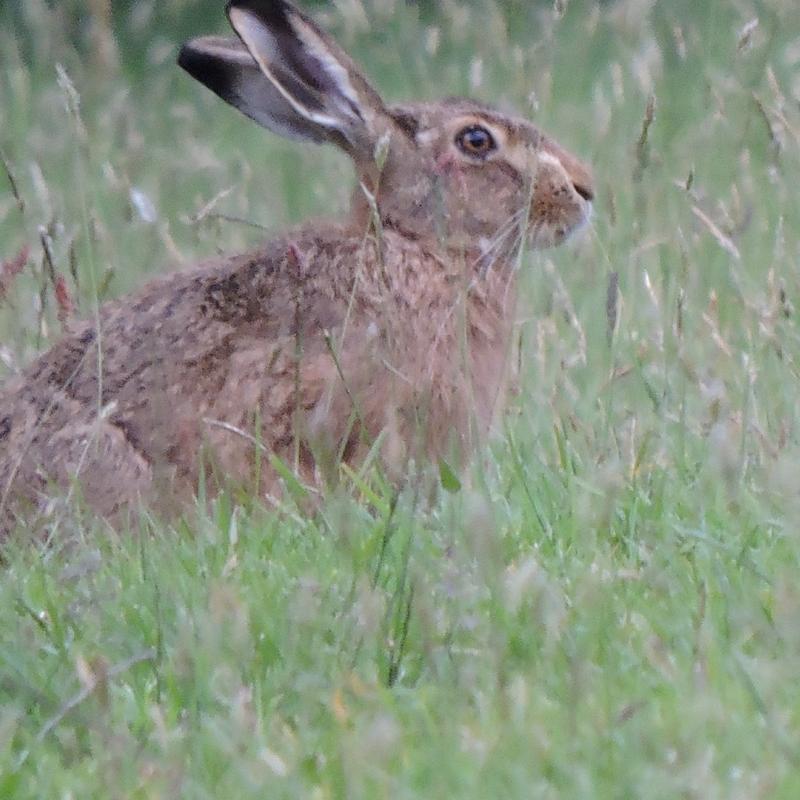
(421, 383)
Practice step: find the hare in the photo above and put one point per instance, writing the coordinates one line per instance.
(387, 333)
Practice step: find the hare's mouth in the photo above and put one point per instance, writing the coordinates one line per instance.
(561, 204)
(562, 222)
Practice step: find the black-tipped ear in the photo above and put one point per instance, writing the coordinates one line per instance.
(290, 77)
(209, 61)
(311, 72)
(285, 41)
(226, 67)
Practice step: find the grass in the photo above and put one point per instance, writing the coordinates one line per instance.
(605, 605)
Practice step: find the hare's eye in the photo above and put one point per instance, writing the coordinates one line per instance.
(476, 141)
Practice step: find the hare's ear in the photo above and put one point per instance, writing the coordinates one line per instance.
(310, 71)
(226, 67)
(311, 88)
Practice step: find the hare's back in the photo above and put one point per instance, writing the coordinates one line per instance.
(195, 356)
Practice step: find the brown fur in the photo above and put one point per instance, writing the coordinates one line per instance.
(395, 323)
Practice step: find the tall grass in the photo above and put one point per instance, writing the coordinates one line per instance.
(606, 604)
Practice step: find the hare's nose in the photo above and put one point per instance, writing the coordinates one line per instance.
(577, 172)
(584, 189)
(579, 175)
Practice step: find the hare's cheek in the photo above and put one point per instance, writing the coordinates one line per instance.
(449, 171)
(494, 191)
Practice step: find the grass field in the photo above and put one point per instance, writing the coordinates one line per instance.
(606, 604)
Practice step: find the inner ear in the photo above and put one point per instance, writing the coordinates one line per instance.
(227, 68)
(299, 60)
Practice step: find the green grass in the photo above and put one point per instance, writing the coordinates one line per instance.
(607, 607)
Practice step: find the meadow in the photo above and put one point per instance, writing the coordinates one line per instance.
(605, 604)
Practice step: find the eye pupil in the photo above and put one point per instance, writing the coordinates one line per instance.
(475, 141)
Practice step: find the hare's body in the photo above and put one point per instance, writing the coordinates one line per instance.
(263, 353)
(394, 324)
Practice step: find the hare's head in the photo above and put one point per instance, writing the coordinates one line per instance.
(455, 171)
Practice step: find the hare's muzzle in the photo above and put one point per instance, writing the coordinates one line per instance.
(563, 195)
(578, 173)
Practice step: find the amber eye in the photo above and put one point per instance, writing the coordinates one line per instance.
(476, 141)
